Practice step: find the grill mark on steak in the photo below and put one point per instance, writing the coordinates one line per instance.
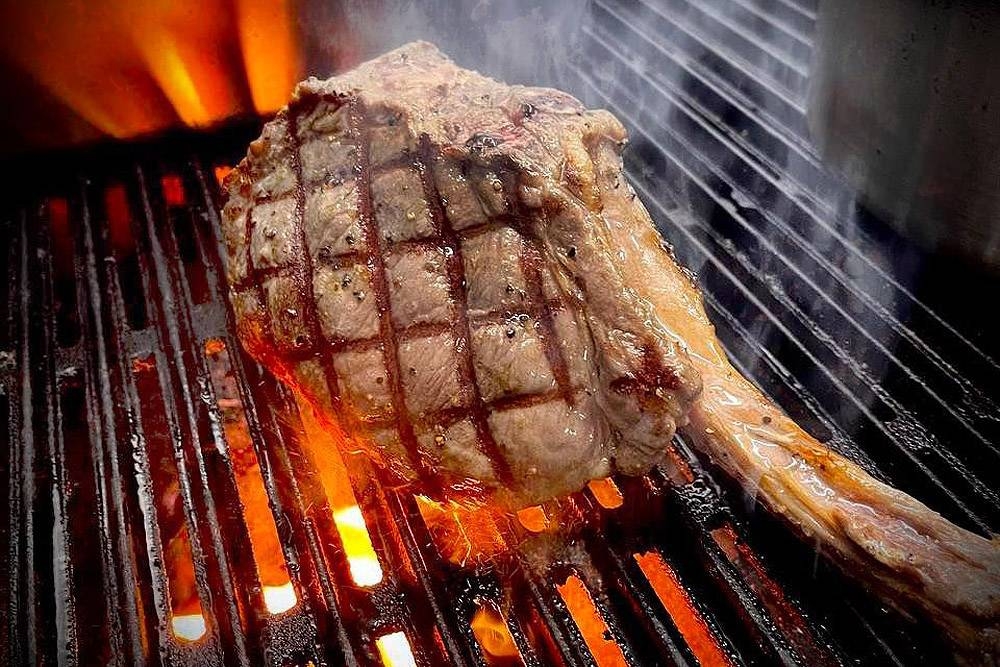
(455, 270)
(532, 264)
(404, 160)
(431, 244)
(303, 277)
(423, 330)
(450, 416)
(380, 287)
(257, 283)
(653, 375)
(529, 400)
(255, 275)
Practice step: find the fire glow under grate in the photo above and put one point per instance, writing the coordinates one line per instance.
(170, 502)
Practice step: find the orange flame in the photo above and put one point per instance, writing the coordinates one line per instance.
(279, 594)
(133, 68)
(462, 535)
(324, 450)
(491, 631)
(592, 626)
(221, 172)
(267, 38)
(533, 519)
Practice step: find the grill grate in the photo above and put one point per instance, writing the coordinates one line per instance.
(124, 392)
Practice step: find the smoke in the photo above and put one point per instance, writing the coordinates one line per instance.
(512, 40)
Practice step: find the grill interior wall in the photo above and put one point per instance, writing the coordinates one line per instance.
(98, 283)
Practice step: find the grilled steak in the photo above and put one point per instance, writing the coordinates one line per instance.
(400, 253)
(457, 275)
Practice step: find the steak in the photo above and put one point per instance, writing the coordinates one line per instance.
(401, 254)
(457, 276)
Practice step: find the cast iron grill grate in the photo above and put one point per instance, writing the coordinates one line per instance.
(132, 416)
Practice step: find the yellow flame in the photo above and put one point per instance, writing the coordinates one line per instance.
(189, 627)
(279, 599)
(323, 447)
(171, 73)
(365, 568)
(270, 55)
(132, 68)
(395, 650)
(492, 633)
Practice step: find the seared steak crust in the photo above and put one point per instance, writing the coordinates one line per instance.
(413, 246)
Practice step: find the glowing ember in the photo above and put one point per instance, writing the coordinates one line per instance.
(607, 493)
(189, 627)
(492, 633)
(365, 568)
(279, 599)
(395, 650)
(533, 519)
(592, 626)
(221, 172)
(119, 218)
(677, 602)
(173, 190)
